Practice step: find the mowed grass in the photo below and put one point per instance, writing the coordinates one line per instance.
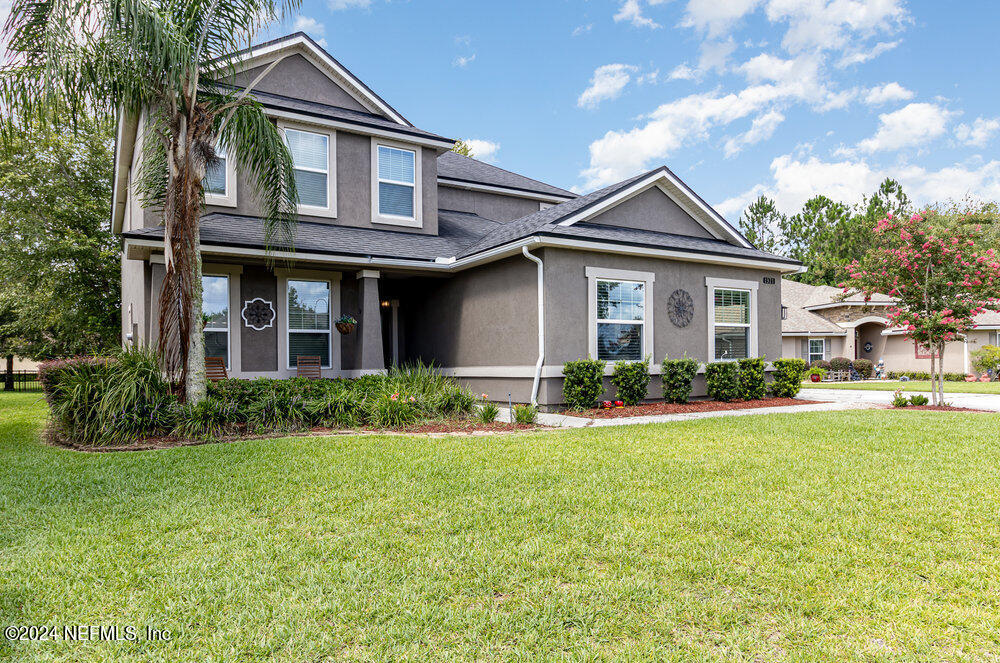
(911, 385)
(826, 536)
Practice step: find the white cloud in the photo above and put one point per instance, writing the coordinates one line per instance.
(631, 11)
(337, 5)
(830, 24)
(912, 125)
(607, 82)
(484, 150)
(715, 55)
(762, 128)
(881, 94)
(582, 29)
(682, 72)
(864, 55)
(312, 27)
(715, 18)
(463, 40)
(979, 133)
(795, 180)
(463, 60)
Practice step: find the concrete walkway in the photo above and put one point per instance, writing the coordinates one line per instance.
(846, 396)
(567, 421)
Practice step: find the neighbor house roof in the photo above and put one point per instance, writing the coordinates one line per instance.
(459, 168)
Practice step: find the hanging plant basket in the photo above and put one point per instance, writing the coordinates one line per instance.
(346, 324)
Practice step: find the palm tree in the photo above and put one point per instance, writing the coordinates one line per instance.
(164, 61)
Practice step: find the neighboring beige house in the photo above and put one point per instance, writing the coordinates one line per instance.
(817, 324)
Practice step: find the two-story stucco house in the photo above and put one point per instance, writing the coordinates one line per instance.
(494, 277)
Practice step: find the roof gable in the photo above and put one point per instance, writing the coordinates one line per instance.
(653, 210)
(297, 77)
(303, 46)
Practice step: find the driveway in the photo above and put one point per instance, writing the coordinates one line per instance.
(976, 401)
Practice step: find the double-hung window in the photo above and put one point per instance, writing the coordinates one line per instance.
(314, 174)
(219, 182)
(308, 321)
(995, 338)
(621, 318)
(395, 196)
(215, 311)
(817, 349)
(731, 323)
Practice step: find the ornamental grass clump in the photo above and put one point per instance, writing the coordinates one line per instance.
(631, 380)
(583, 382)
(525, 414)
(752, 385)
(722, 380)
(678, 379)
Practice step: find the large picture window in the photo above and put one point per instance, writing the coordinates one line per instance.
(817, 349)
(621, 317)
(308, 321)
(215, 309)
(311, 159)
(732, 323)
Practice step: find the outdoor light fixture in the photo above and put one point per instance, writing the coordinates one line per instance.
(784, 312)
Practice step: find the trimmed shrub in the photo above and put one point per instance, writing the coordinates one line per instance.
(583, 383)
(864, 368)
(918, 399)
(787, 377)
(722, 378)
(821, 363)
(678, 376)
(921, 375)
(752, 385)
(631, 380)
(840, 364)
(488, 413)
(525, 414)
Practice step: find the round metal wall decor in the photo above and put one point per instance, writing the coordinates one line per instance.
(258, 314)
(681, 308)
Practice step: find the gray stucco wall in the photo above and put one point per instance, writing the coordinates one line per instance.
(135, 286)
(487, 205)
(567, 306)
(350, 304)
(484, 316)
(296, 77)
(652, 210)
(258, 349)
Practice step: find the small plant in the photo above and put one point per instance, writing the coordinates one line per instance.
(918, 400)
(525, 414)
(583, 383)
(345, 324)
(631, 379)
(787, 377)
(752, 385)
(840, 364)
(488, 413)
(898, 399)
(722, 379)
(816, 370)
(394, 411)
(678, 378)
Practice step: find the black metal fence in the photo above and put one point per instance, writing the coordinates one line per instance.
(22, 381)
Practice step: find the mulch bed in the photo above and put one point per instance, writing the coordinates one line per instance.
(434, 428)
(649, 409)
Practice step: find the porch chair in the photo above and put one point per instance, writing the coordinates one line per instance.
(308, 367)
(215, 369)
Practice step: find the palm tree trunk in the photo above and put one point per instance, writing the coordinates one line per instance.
(195, 386)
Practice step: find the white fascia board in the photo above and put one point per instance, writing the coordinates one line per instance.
(717, 228)
(504, 191)
(814, 334)
(341, 75)
(128, 125)
(356, 128)
(820, 307)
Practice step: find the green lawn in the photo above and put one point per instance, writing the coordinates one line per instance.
(845, 536)
(912, 385)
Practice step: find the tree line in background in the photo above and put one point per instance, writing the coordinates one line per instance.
(827, 235)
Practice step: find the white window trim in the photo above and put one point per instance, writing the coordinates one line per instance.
(286, 275)
(809, 352)
(331, 175)
(714, 284)
(229, 317)
(417, 220)
(227, 199)
(595, 274)
(234, 346)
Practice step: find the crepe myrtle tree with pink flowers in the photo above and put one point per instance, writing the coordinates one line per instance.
(941, 275)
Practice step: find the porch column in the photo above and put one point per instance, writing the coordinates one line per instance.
(370, 338)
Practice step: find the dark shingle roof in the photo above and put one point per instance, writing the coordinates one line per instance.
(456, 231)
(454, 166)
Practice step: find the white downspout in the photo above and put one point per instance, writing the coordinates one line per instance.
(541, 324)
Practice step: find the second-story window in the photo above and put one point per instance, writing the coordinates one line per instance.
(311, 157)
(395, 174)
(219, 182)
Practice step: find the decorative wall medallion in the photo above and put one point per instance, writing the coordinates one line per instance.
(869, 347)
(258, 314)
(681, 308)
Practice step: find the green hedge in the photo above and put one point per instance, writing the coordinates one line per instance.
(722, 380)
(678, 377)
(583, 383)
(787, 377)
(631, 380)
(752, 385)
(864, 367)
(921, 375)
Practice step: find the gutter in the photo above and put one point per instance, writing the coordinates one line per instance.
(541, 323)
